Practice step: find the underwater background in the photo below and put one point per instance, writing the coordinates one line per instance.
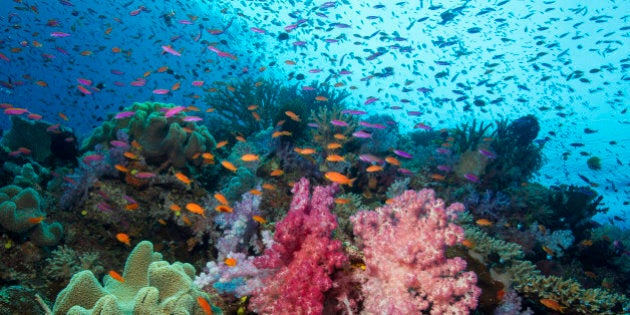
(314, 157)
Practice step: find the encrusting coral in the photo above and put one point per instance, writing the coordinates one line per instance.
(164, 137)
(21, 212)
(149, 285)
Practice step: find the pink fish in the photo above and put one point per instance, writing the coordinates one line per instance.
(53, 128)
(144, 175)
(308, 88)
(185, 22)
(138, 83)
(119, 144)
(222, 53)
(403, 154)
(488, 154)
(192, 118)
(116, 72)
(362, 134)
(171, 51)
(197, 83)
(353, 112)
(443, 151)
(84, 81)
(339, 123)
(138, 10)
(125, 114)
(404, 171)
(118, 83)
(422, 126)
(92, 158)
(83, 90)
(174, 111)
(161, 91)
(315, 70)
(370, 158)
(4, 57)
(15, 111)
(59, 34)
(414, 113)
(258, 30)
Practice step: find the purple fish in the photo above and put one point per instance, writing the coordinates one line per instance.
(315, 70)
(123, 115)
(129, 199)
(443, 151)
(365, 124)
(488, 154)
(308, 88)
(362, 134)
(422, 126)
(414, 113)
(299, 43)
(339, 123)
(403, 154)
(405, 171)
(444, 168)
(331, 40)
(370, 100)
(313, 125)
(353, 112)
(471, 177)
(59, 34)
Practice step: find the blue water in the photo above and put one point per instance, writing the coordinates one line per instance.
(523, 55)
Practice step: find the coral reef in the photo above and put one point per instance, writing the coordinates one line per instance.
(406, 267)
(21, 212)
(162, 138)
(149, 285)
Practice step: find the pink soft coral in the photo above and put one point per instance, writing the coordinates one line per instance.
(298, 266)
(407, 271)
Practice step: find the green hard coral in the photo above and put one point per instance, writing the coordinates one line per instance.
(151, 286)
(163, 139)
(18, 208)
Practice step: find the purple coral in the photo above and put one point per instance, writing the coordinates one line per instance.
(407, 271)
(297, 268)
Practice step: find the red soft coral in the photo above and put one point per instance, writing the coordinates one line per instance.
(298, 266)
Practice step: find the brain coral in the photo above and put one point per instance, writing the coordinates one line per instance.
(175, 139)
(21, 212)
(150, 286)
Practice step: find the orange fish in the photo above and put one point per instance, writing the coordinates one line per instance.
(252, 107)
(223, 208)
(183, 178)
(321, 98)
(36, 220)
(195, 208)
(437, 176)
(484, 222)
(339, 136)
(162, 69)
(374, 168)
(553, 304)
(108, 30)
(175, 207)
(123, 238)
(548, 250)
(335, 158)
(230, 262)
(292, 115)
(255, 192)
(205, 306)
(276, 172)
(207, 156)
(342, 201)
(240, 139)
(259, 219)
(221, 144)
(289, 62)
(221, 199)
(339, 178)
(41, 83)
(256, 116)
(132, 206)
(392, 160)
(130, 155)
(249, 157)
(121, 168)
(268, 186)
(63, 116)
(468, 243)
(116, 50)
(305, 151)
(176, 86)
(228, 165)
(333, 146)
(116, 276)
(277, 134)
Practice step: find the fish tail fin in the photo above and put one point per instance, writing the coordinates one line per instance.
(350, 182)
